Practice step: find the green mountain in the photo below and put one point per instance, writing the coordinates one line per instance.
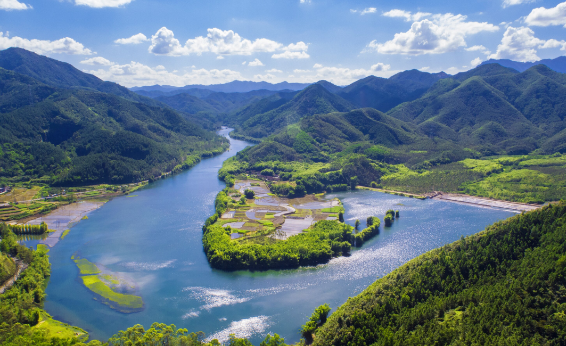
(384, 94)
(502, 286)
(493, 109)
(314, 99)
(187, 103)
(77, 136)
(62, 75)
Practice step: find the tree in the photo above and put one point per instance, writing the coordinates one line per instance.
(317, 319)
(243, 200)
(341, 216)
(250, 194)
(274, 340)
(357, 224)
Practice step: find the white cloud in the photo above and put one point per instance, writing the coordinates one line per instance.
(291, 55)
(380, 67)
(552, 43)
(10, 5)
(409, 17)
(256, 62)
(219, 57)
(98, 61)
(221, 42)
(305, 1)
(425, 68)
(136, 39)
(137, 74)
(479, 48)
(317, 66)
(518, 44)
(365, 10)
(476, 62)
(264, 77)
(507, 3)
(547, 16)
(301, 71)
(62, 46)
(102, 3)
(274, 70)
(440, 34)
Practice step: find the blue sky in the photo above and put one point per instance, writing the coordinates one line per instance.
(179, 42)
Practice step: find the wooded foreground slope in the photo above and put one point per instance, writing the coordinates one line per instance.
(503, 286)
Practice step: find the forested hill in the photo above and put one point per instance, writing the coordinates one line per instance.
(503, 286)
(77, 135)
(62, 75)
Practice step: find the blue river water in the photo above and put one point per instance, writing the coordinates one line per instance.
(154, 239)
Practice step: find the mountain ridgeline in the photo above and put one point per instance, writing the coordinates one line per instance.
(64, 127)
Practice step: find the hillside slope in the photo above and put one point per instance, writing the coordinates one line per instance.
(77, 136)
(504, 285)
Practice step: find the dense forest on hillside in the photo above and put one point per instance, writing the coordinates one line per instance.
(505, 285)
(67, 132)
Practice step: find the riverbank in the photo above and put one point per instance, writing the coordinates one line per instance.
(515, 207)
(20, 267)
(486, 202)
(64, 218)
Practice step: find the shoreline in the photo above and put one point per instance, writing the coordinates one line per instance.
(485, 202)
(65, 217)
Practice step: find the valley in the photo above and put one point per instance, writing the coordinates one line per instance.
(240, 208)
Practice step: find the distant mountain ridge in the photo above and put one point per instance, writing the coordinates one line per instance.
(234, 86)
(557, 64)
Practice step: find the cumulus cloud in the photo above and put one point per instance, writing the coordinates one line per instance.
(301, 71)
(440, 34)
(98, 61)
(507, 3)
(45, 47)
(409, 17)
(291, 55)
(10, 5)
(552, 43)
(518, 44)
(102, 3)
(220, 42)
(137, 74)
(479, 48)
(365, 10)
(274, 70)
(380, 67)
(136, 39)
(264, 77)
(547, 16)
(256, 62)
(317, 66)
(476, 62)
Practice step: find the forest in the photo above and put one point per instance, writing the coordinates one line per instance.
(504, 285)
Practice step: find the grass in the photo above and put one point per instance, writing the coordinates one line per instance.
(523, 185)
(336, 209)
(482, 166)
(109, 278)
(86, 267)
(59, 329)
(265, 222)
(270, 216)
(548, 161)
(130, 196)
(7, 267)
(93, 283)
(65, 232)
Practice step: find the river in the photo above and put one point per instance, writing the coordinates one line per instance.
(154, 239)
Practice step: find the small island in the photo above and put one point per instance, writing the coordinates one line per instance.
(258, 230)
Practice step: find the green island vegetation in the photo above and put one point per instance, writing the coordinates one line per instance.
(504, 285)
(104, 285)
(264, 244)
(65, 232)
